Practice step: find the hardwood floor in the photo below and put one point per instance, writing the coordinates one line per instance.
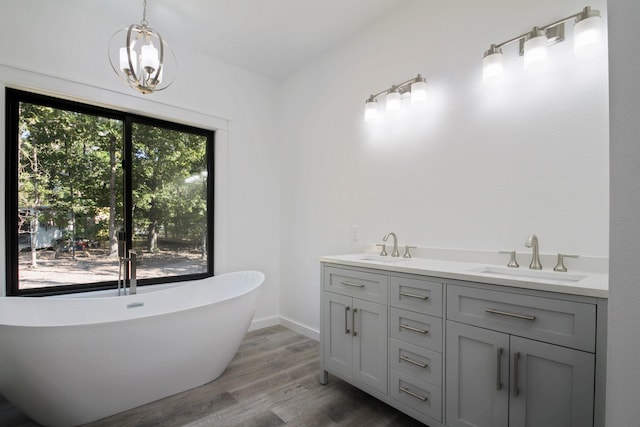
(272, 381)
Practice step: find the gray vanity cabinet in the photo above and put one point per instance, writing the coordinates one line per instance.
(355, 329)
(454, 353)
(499, 379)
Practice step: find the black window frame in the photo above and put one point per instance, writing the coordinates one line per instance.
(13, 98)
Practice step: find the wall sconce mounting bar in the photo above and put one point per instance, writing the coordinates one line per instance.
(554, 31)
(404, 87)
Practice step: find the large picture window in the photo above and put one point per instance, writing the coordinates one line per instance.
(79, 177)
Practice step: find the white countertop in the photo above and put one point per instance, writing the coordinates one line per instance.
(592, 284)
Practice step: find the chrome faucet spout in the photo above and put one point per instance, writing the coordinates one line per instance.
(532, 242)
(394, 252)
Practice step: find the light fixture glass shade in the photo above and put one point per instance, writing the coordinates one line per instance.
(418, 90)
(535, 50)
(587, 32)
(370, 110)
(492, 64)
(149, 59)
(124, 61)
(393, 100)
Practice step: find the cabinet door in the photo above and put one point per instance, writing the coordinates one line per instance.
(337, 341)
(477, 377)
(550, 385)
(370, 343)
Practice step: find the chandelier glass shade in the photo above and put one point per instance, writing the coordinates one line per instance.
(139, 56)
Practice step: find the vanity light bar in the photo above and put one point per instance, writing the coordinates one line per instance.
(533, 44)
(415, 87)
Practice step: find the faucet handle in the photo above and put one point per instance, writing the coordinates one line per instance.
(383, 252)
(560, 264)
(513, 262)
(406, 251)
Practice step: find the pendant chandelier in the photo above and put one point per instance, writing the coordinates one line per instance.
(140, 57)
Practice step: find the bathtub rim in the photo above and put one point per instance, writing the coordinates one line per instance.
(75, 298)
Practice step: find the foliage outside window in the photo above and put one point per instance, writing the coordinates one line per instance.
(77, 175)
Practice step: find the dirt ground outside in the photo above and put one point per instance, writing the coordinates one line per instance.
(55, 268)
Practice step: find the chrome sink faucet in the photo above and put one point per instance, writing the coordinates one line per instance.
(532, 242)
(394, 252)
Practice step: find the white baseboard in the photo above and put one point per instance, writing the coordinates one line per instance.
(300, 328)
(264, 323)
(287, 323)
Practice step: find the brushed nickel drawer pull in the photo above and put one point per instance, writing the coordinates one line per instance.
(410, 393)
(406, 359)
(505, 313)
(516, 369)
(353, 322)
(406, 294)
(346, 320)
(499, 377)
(411, 328)
(355, 285)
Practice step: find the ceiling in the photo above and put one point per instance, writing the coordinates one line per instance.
(273, 38)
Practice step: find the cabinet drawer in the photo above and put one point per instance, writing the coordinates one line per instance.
(416, 362)
(419, 395)
(419, 295)
(360, 284)
(566, 323)
(416, 328)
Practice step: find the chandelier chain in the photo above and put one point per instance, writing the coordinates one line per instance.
(144, 14)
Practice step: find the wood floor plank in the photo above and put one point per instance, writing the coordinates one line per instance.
(272, 381)
(246, 413)
(173, 411)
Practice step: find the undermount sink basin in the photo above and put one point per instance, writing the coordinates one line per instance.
(530, 274)
(385, 259)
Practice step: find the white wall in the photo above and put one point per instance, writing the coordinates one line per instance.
(623, 358)
(69, 46)
(480, 167)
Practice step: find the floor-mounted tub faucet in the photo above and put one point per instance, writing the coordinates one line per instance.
(129, 264)
(532, 242)
(133, 280)
(394, 252)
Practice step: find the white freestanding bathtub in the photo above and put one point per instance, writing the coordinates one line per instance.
(70, 360)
